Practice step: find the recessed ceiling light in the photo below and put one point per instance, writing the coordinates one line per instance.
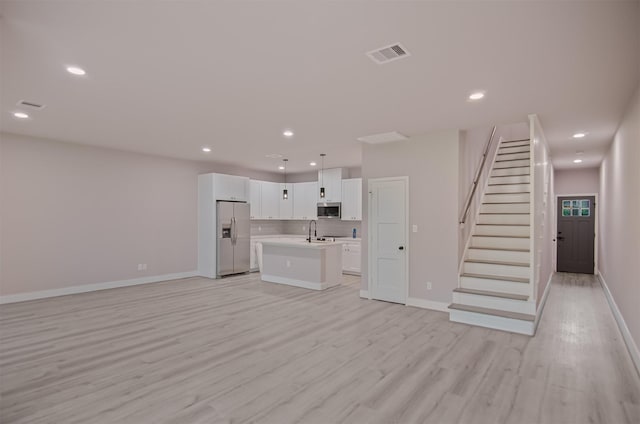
(579, 135)
(287, 133)
(75, 70)
(281, 167)
(20, 115)
(206, 149)
(312, 163)
(476, 96)
(577, 161)
(273, 156)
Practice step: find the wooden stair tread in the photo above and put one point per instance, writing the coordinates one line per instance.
(514, 175)
(516, 141)
(495, 312)
(504, 184)
(499, 248)
(511, 160)
(492, 294)
(492, 262)
(511, 167)
(514, 192)
(497, 277)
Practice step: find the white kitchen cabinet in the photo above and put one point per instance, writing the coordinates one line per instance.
(352, 199)
(351, 258)
(231, 187)
(286, 205)
(255, 201)
(270, 196)
(305, 201)
(331, 179)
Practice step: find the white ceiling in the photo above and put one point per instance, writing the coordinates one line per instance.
(170, 77)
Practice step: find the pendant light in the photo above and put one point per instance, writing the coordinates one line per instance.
(322, 155)
(285, 192)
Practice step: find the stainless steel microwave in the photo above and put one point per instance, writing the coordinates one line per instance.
(329, 210)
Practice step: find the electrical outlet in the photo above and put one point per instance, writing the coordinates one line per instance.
(429, 285)
(288, 263)
(144, 267)
(139, 267)
(259, 228)
(415, 228)
(304, 228)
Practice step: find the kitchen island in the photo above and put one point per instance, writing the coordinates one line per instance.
(315, 265)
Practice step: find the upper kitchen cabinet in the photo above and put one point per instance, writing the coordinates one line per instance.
(305, 200)
(331, 180)
(352, 199)
(270, 196)
(286, 205)
(231, 187)
(255, 194)
(224, 187)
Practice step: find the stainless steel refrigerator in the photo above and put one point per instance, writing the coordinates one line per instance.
(233, 238)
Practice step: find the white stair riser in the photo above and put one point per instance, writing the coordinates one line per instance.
(502, 230)
(510, 171)
(497, 270)
(498, 255)
(503, 219)
(492, 321)
(514, 149)
(515, 144)
(511, 156)
(518, 179)
(510, 163)
(508, 188)
(495, 285)
(505, 198)
(500, 242)
(491, 302)
(505, 208)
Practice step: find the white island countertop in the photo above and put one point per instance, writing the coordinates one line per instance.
(303, 243)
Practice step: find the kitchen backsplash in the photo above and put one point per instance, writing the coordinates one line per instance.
(326, 227)
(267, 228)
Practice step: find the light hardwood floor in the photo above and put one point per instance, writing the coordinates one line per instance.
(239, 350)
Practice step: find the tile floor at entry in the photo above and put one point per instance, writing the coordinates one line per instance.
(238, 350)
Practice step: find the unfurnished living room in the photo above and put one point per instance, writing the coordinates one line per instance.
(319, 212)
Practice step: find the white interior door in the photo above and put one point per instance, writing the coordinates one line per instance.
(388, 260)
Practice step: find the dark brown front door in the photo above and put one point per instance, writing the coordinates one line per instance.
(576, 233)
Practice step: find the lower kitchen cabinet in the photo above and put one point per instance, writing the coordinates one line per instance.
(351, 259)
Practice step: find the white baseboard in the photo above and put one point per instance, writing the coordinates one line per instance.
(428, 304)
(543, 302)
(23, 297)
(364, 294)
(622, 325)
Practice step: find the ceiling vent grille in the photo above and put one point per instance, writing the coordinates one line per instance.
(31, 105)
(388, 53)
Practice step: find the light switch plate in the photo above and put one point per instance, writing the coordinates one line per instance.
(414, 228)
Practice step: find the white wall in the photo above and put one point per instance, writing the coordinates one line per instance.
(619, 227)
(431, 162)
(543, 217)
(577, 181)
(74, 215)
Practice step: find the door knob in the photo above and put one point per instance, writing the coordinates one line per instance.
(560, 238)
(401, 248)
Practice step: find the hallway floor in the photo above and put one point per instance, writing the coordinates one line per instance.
(241, 350)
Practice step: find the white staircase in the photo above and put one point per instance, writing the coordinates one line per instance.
(494, 288)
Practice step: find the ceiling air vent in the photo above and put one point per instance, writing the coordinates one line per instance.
(388, 54)
(31, 105)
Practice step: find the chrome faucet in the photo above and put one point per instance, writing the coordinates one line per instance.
(315, 229)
